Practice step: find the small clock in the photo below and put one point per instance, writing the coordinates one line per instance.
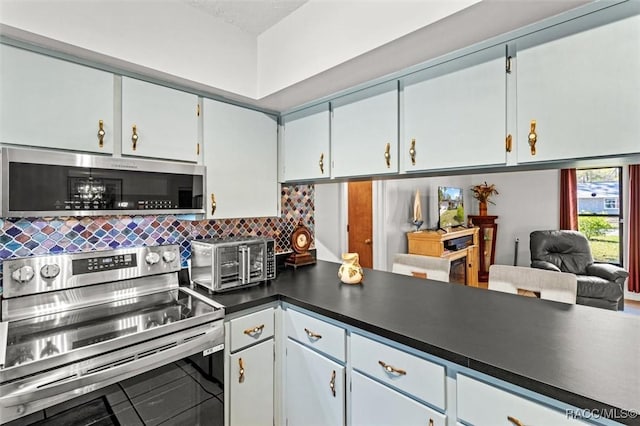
(300, 243)
(301, 239)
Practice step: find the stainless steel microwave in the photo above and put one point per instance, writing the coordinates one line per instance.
(225, 264)
(45, 183)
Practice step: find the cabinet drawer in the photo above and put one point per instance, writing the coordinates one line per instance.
(320, 335)
(251, 328)
(422, 379)
(373, 403)
(482, 404)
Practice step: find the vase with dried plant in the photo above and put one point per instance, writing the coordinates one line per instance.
(482, 193)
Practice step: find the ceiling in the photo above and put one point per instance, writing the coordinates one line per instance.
(251, 16)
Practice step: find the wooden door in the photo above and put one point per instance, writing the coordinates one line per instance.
(360, 222)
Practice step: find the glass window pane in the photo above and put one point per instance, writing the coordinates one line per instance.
(599, 211)
(603, 234)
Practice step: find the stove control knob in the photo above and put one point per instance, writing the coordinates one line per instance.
(49, 271)
(23, 274)
(152, 258)
(169, 256)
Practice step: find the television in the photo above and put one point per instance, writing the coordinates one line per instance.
(450, 207)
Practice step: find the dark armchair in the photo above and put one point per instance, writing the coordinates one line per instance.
(599, 284)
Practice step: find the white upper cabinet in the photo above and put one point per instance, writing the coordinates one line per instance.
(158, 122)
(579, 93)
(48, 102)
(364, 132)
(454, 114)
(305, 144)
(240, 153)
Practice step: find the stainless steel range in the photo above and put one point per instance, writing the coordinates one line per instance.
(74, 323)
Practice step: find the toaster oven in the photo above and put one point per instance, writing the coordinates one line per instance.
(225, 264)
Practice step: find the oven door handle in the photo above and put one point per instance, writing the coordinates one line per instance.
(15, 394)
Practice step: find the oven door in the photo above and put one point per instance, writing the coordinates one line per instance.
(112, 389)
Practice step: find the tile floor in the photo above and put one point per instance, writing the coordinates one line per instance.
(175, 394)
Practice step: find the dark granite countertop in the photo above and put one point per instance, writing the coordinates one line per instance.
(584, 356)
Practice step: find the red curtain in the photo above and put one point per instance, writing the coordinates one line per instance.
(634, 228)
(568, 200)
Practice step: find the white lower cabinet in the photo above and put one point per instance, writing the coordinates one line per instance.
(314, 388)
(373, 403)
(482, 404)
(251, 385)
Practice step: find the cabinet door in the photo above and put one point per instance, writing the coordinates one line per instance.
(364, 132)
(375, 404)
(455, 113)
(52, 103)
(165, 120)
(305, 144)
(240, 153)
(251, 388)
(310, 397)
(581, 90)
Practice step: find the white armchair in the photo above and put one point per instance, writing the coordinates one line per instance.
(433, 268)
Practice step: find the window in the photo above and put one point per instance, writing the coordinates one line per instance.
(610, 203)
(599, 213)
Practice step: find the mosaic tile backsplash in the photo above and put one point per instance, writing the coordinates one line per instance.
(23, 237)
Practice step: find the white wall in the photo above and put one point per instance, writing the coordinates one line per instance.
(324, 33)
(167, 36)
(329, 233)
(528, 201)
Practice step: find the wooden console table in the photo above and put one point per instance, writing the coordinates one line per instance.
(440, 244)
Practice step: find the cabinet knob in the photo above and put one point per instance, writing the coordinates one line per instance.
(391, 369)
(101, 133)
(321, 163)
(332, 383)
(134, 137)
(412, 152)
(533, 137)
(213, 204)
(368, 241)
(515, 421)
(255, 330)
(312, 335)
(508, 142)
(387, 155)
(241, 371)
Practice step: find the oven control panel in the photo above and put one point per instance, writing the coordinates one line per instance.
(40, 274)
(104, 263)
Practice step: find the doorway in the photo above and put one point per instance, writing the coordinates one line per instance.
(360, 221)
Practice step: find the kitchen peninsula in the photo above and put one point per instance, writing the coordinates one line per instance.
(580, 356)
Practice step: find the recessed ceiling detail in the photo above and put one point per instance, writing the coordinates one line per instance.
(251, 16)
